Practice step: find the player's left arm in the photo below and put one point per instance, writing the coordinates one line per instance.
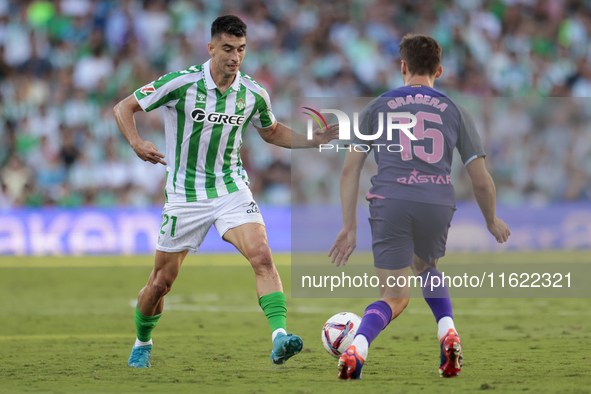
(281, 135)
(346, 240)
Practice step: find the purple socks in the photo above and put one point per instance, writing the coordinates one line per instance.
(376, 317)
(438, 299)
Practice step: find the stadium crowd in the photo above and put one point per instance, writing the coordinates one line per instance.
(65, 63)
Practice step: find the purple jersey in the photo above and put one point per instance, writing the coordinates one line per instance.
(418, 170)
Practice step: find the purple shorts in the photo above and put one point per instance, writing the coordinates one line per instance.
(402, 228)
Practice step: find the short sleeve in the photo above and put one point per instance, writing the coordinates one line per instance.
(164, 91)
(263, 115)
(469, 143)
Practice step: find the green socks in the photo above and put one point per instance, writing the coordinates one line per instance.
(272, 304)
(275, 309)
(145, 324)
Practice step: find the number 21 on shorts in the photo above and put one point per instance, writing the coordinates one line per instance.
(165, 220)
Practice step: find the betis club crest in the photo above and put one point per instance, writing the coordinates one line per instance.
(240, 104)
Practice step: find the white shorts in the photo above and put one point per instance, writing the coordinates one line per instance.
(185, 225)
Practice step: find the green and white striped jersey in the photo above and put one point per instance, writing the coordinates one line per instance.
(204, 130)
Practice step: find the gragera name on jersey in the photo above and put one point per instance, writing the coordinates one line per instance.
(199, 115)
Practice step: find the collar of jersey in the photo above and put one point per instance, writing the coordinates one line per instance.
(210, 84)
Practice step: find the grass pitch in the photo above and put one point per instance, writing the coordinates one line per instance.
(66, 325)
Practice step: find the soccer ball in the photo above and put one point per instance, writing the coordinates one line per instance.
(339, 331)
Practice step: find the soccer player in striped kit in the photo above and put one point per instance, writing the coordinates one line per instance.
(207, 108)
(412, 199)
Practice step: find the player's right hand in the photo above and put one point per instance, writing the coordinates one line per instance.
(343, 246)
(500, 230)
(147, 151)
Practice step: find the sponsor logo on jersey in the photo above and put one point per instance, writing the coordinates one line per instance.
(201, 97)
(147, 89)
(253, 208)
(199, 115)
(416, 178)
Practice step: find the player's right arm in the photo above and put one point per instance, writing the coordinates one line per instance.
(165, 91)
(346, 240)
(124, 115)
(484, 191)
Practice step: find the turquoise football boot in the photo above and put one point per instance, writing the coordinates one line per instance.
(284, 347)
(140, 357)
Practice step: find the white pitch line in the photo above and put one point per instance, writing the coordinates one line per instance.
(63, 336)
(174, 306)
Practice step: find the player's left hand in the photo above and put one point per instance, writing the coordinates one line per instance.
(324, 136)
(343, 246)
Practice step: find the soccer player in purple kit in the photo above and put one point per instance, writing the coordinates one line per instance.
(412, 199)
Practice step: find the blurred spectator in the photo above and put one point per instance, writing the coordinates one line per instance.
(15, 176)
(91, 69)
(69, 152)
(274, 184)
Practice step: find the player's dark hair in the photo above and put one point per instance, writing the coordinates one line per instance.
(229, 24)
(421, 53)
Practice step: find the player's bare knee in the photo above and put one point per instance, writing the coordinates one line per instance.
(419, 266)
(262, 260)
(418, 269)
(159, 289)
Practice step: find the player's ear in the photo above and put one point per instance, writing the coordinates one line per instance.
(210, 48)
(439, 71)
(403, 68)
